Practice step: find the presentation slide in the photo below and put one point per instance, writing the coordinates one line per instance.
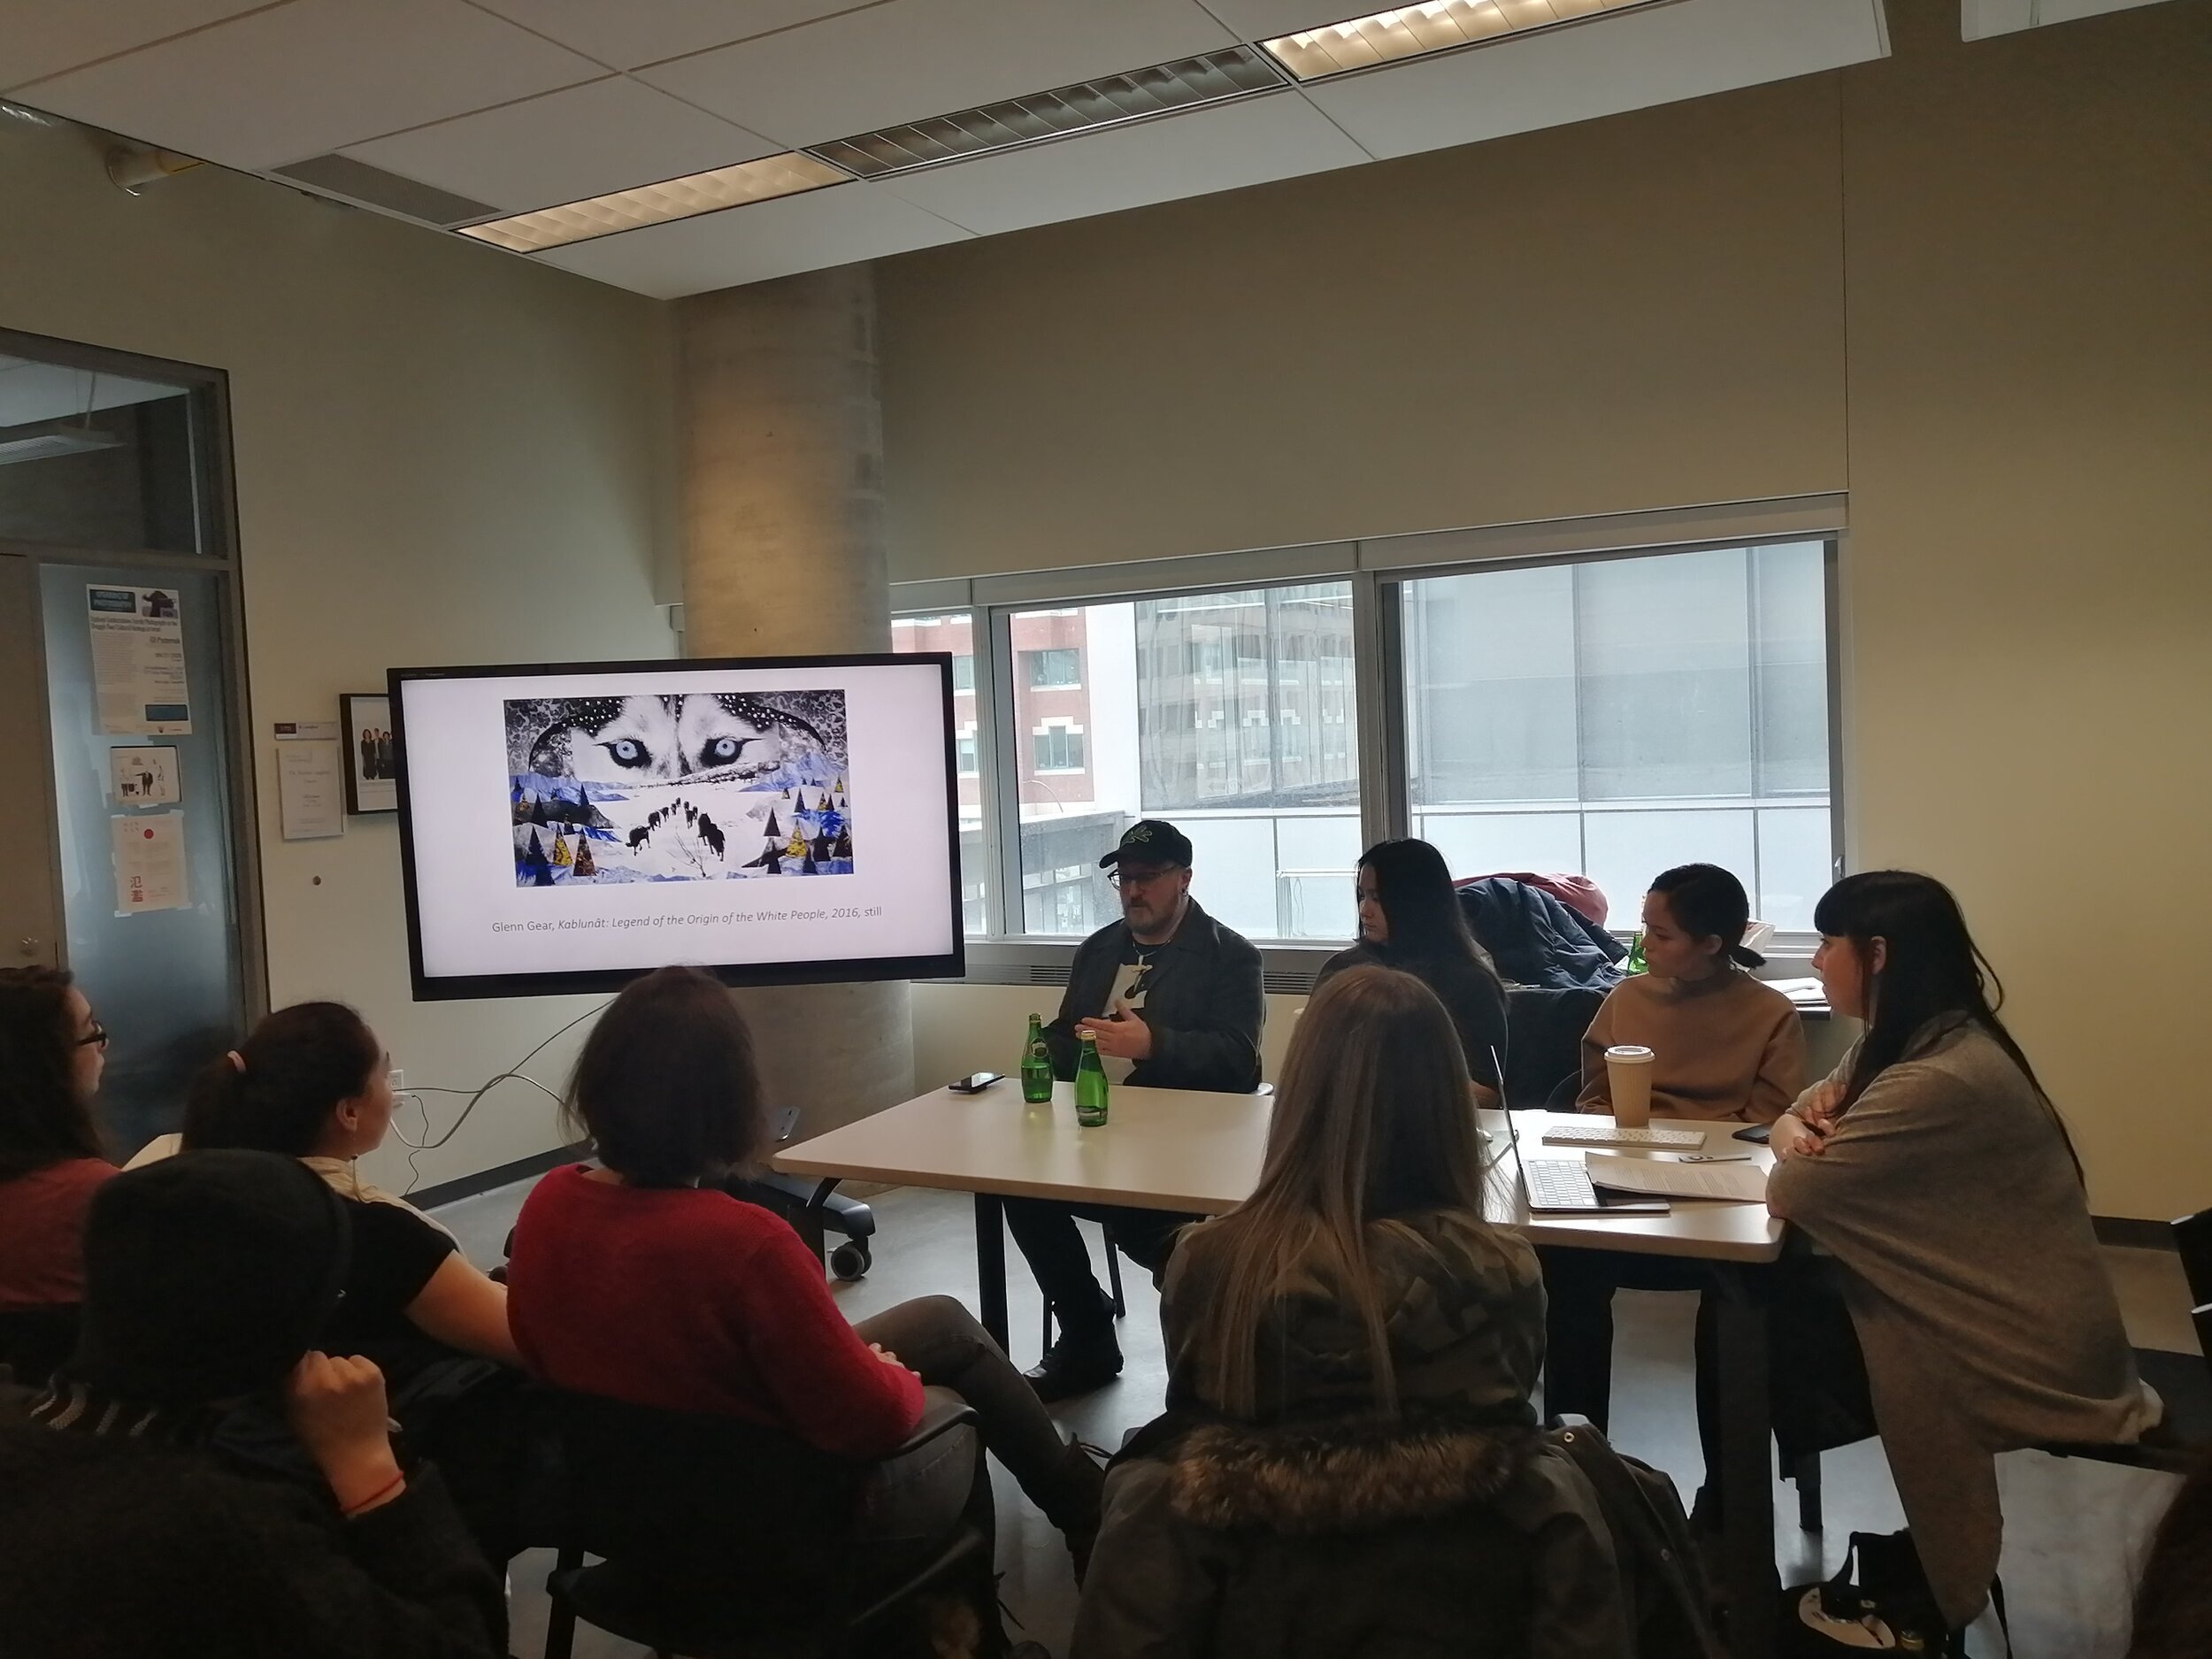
(566, 827)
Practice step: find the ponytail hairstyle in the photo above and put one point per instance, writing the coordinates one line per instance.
(1372, 1121)
(1708, 903)
(275, 1092)
(44, 1119)
(1930, 969)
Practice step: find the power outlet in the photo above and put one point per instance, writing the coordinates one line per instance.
(397, 1078)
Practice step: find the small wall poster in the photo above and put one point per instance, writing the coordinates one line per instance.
(371, 765)
(138, 660)
(311, 788)
(148, 851)
(145, 777)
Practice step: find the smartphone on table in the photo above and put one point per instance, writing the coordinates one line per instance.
(975, 1082)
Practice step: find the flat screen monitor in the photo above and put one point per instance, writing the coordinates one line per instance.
(777, 820)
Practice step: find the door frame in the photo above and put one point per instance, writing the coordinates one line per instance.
(216, 512)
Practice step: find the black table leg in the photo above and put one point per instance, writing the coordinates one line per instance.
(1747, 1470)
(990, 1264)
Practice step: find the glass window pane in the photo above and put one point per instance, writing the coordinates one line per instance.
(1536, 697)
(1229, 714)
(953, 632)
(96, 460)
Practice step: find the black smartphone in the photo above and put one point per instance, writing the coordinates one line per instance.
(975, 1082)
(1757, 1134)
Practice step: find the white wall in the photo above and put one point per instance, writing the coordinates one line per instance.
(443, 456)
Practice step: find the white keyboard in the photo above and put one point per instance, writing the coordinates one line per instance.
(1558, 1184)
(1605, 1134)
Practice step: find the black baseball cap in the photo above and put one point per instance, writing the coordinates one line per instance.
(1150, 840)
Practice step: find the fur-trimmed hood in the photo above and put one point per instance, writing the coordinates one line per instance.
(1344, 1475)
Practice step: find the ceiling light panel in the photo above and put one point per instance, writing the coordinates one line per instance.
(759, 181)
(1188, 83)
(1416, 31)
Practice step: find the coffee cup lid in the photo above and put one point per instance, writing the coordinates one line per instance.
(1629, 1051)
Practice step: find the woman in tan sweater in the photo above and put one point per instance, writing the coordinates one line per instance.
(1725, 1046)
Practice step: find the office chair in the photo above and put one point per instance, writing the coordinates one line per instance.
(724, 1539)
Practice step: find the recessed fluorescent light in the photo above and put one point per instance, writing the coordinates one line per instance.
(1415, 31)
(658, 203)
(1236, 71)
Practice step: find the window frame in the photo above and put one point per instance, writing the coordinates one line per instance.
(1377, 570)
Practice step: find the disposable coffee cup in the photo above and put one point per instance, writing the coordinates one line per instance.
(1628, 1073)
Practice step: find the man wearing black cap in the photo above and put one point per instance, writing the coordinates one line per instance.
(123, 1534)
(1174, 999)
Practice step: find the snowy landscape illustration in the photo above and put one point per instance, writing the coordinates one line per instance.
(684, 786)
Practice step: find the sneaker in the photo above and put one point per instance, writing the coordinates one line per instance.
(1076, 1364)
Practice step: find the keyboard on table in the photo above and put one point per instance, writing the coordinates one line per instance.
(1558, 1184)
(1603, 1133)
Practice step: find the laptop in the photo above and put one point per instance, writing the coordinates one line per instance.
(1561, 1187)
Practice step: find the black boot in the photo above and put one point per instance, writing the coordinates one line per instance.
(1077, 1490)
(1085, 1357)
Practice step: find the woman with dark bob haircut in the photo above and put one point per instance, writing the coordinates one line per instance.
(641, 1280)
(1409, 919)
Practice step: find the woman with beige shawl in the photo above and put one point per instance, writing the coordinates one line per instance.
(1933, 1168)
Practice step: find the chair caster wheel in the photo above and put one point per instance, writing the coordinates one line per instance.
(851, 1260)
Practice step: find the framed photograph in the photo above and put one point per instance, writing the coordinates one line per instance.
(371, 758)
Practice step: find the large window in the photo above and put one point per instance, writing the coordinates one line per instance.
(1615, 717)
(954, 633)
(1232, 714)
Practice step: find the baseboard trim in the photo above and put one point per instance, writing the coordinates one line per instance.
(2134, 1233)
(498, 1175)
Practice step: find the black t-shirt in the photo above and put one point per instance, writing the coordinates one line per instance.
(1470, 993)
(395, 1254)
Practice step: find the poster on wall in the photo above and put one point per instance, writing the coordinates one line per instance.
(148, 851)
(138, 660)
(310, 779)
(144, 777)
(372, 765)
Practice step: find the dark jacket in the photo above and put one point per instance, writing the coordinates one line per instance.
(1470, 992)
(1322, 1527)
(129, 1549)
(1202, 1000)
(1535, 940)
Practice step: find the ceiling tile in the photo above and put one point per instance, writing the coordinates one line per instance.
(43, 37)
(910, 59)
(295, 81)
(1263, 19)
(759, 241)
(1277, 136)
(636, 31)
(1627, 62)
(580, 142)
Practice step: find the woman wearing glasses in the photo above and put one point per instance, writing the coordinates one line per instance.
(51, 1160)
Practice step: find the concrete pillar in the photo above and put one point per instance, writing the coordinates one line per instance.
(784, 555)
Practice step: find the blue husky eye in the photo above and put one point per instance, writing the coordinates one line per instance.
(723, 750)
(627, 751)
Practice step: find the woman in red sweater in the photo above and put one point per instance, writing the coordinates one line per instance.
(639, 1281)
(52, 1054)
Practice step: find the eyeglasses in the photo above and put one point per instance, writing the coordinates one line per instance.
(97, 1038)
(1122, 878)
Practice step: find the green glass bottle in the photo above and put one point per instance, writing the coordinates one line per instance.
(1036, 1064)
(1090, 1086)
(1635, 963)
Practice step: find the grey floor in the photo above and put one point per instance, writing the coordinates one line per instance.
(2074, 1532)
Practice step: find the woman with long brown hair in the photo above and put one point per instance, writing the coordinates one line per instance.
(1349, 1462)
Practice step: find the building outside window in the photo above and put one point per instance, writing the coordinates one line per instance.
(1617, 717)
(954, 633)
(1057, 667)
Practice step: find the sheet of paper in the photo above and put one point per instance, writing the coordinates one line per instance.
(1801, 990)
(149, 850)
(138, 660)
(1739, 1183)
(311, 790)
(144, 777)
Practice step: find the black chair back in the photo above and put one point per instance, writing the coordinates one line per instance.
(2192, 1240)
(709, 1504)
(1543, 1046)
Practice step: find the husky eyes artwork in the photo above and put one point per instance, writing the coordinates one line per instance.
(692, 787)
